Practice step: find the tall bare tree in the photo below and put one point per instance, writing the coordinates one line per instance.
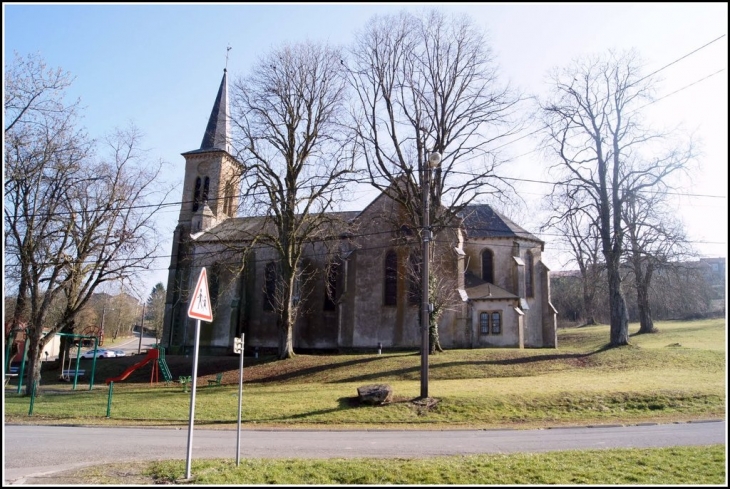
(578, 231)
(287, 117)
(656, 241)
(73, 219)
(605, 154)
(429, 83)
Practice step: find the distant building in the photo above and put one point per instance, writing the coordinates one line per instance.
(50, 351)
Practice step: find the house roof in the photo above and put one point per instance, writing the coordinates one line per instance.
(242, 228)
(481, 221)
(476, 289)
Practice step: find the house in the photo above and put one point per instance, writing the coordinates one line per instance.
(361, 293)
(50, 351)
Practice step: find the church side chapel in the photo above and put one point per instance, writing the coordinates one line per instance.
(362, 292)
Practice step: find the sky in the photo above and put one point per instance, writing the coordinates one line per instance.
(158, 66)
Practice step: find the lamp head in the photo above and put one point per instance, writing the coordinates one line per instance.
(434, 159)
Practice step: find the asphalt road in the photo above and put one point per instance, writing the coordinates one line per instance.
(33, 451)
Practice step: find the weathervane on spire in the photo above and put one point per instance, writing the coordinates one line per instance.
(228, 48)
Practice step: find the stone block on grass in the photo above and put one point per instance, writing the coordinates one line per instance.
(375, 394)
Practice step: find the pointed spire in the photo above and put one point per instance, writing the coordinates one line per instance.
(216, 134)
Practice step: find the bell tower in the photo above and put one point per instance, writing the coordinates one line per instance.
(212, 174)
(210, 195)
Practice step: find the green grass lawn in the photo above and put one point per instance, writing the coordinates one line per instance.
(678, 374)
(702, 465)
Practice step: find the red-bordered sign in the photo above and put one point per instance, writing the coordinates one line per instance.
(200, 307)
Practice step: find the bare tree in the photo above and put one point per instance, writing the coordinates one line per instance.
(289, 135)
(656, 241)
(73, 220)
(428, 84)
(604, 154)
(577, 230)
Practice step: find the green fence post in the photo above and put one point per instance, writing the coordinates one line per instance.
(32, 398)
(22, 364)
(11, 340)
(109, 401)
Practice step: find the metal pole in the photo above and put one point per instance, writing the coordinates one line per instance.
(101, 328)
(192, 399)
(425, 190)
(141, 330)
(240, 398)
(109, 400)
(21, 372)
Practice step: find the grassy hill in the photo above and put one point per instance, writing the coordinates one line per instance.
(674, 375)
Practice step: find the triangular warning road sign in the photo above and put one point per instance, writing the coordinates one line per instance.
(200, 307)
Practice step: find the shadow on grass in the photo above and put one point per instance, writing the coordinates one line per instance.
(410, 373)
(329, 367)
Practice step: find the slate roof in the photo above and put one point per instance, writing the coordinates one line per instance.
(481, 221)
(217, 131)
(243, 228)
(476, 289)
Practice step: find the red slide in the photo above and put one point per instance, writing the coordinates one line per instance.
(152, 355)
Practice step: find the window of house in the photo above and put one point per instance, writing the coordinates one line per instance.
(490, 323)
(529, 273)
(270, 286)
(331, 293)
(496, 323)
(391, 279)
(484, 323)
(414, 279)
(488, 266)
(196, 195)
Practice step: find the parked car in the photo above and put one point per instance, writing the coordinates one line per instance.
(100, 353)
(120, 353)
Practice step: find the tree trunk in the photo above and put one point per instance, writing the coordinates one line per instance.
(588, 308)
(647, 323)
(619, 313)
(35, 349)
(434, 344)
(285, 327)
(286, 346)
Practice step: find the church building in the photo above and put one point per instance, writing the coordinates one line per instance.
(360, 293)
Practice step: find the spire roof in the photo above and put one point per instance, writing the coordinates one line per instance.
(216, 134)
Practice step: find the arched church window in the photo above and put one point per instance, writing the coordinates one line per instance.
(206, 187)
(269, 286)
(391, 279)
(529, 274)
(214, 284)
(414, 278)
(228, 203)
(331, 293)
(196, 195)
(488, 266)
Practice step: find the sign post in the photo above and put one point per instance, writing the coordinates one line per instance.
(238, 348)
(201, 310)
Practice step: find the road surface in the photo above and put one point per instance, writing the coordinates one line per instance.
(33, 451)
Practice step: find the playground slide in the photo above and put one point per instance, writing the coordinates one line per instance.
(152, 355)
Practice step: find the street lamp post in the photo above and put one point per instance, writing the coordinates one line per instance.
(141, 330)
(433, 161)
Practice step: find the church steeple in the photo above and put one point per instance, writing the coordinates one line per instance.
(218, 130)
(212, 173)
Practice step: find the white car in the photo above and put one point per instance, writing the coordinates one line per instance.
(100, 353)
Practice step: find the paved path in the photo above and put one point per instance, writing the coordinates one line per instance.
(32, 451)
